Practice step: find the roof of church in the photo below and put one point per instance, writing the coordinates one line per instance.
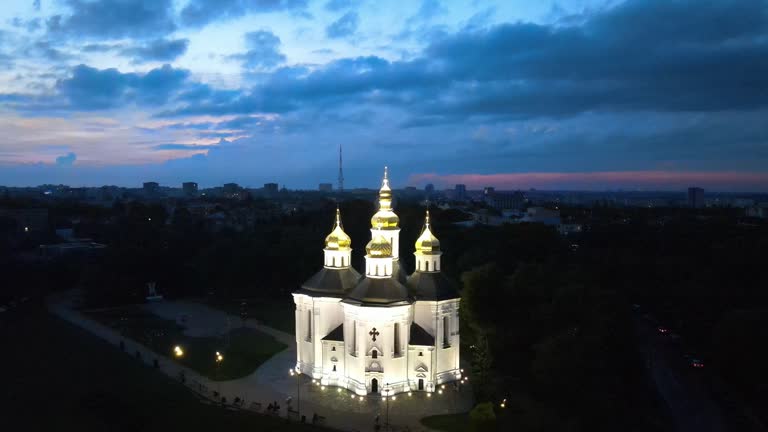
(330, 282)
(336, 335)
(419, 336)
(399, 273)
(378, 292)
(431, 286)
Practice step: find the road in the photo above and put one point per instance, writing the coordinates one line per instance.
(688, 402)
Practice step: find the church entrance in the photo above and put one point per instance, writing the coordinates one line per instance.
(374, 385)
(421, 384)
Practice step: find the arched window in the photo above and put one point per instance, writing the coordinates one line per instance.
(333, 260)
(397, 339)
(374, 354)
(446, 332)
(427, 263)
(334, 368)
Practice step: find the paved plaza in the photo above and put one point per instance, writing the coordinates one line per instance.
(272, 381)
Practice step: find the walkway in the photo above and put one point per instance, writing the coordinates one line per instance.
(272, 380)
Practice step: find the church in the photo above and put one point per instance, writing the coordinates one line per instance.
(384, 331)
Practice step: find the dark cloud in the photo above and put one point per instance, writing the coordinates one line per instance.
(344, 26)
(157, 50)
(66, 160)
(90, 89)
(46, 50)
(340, 5)
(198, 13)
(640, 55)
(263, 50)
(114, 19)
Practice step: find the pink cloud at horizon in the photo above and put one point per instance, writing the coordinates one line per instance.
(646, 180)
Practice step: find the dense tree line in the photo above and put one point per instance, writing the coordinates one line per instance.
(546, 319)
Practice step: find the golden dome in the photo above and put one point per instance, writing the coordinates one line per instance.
(385, 218)
(379, 247)
(427, 243)
(338, 239)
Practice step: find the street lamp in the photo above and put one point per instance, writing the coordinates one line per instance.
(178, 352)
(387, 390)
(219, 359)
(298, 391)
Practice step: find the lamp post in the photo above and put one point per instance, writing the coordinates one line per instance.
(387, 390)
(298, 391)
(219, 359)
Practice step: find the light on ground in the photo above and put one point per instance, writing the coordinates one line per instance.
(429, 394)
(410, 394)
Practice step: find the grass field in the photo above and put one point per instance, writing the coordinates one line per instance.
(58, 377)
(279, 314)
(244, 350)
(447, 422)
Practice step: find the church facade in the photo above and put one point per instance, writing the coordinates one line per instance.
(382, 331)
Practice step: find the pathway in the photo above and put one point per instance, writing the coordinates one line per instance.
(272, 380)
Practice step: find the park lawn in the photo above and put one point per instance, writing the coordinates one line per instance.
(447, 422)
(59, 377)
(243, 349)
(278, 314)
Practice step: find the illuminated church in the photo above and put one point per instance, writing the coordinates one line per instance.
(381, 332)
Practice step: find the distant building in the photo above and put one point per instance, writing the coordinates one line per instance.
(429, 188)
(489, 190)
(326, 187)
(505, 200)
(542, 215)
(695, 197)
(270, 188)
(189, 188)
(151, 188)
(460, 192)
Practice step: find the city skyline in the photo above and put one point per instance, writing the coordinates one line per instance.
(578, 95)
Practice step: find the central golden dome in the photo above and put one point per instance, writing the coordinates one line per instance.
(385, 218)
(379, 247)
(427, 243)
(338, 239)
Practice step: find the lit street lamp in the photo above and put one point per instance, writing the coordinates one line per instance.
(298, 391)
(178, 352)
(387, 390)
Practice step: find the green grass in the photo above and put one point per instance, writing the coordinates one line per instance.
(244, 350)
(447, 422)
(278, 314)
(59, 377)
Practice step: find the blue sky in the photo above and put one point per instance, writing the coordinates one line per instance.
(588, 94)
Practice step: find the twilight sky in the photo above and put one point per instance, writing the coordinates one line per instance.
(573, 94)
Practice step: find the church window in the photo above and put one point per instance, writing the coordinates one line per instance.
(333, 261)
(427, 263)
(333, 348)
(334, 368)
(446, 333)
(309, 326)
(375, 354)
(421, 353)
(397, 339)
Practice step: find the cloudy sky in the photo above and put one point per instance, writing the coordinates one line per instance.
(572, 94)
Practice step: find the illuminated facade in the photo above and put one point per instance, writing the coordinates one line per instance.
(382, 331)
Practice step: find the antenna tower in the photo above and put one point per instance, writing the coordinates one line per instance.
(341, 173)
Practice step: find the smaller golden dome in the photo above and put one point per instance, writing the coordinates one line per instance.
(338, 239)
(379, 247)
(427, 243)
(384, 219)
